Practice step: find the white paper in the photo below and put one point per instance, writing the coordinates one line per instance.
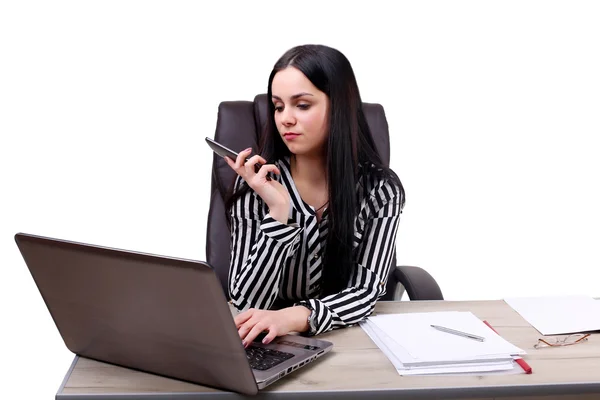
(484, 369)
(380, 340)
(383, 333)
(556, 315)
(515, 369)
(425, 344)
(390, 348)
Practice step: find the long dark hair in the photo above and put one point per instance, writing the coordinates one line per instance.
(349, 145)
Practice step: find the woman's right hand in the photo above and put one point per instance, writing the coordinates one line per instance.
(272, 192)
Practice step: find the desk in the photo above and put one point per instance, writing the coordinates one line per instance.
(357, 369)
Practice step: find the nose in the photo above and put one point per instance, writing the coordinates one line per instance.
(287, 117)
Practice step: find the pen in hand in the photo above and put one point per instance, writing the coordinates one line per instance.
(458, 333)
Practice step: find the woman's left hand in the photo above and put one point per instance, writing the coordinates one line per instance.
(252, 322)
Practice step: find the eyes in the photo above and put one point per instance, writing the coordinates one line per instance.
(301, 106)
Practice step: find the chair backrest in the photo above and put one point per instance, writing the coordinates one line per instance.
(239, 126)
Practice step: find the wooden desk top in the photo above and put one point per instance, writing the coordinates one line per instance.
(356, 368)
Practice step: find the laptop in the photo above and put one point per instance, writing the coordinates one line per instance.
(162, 315)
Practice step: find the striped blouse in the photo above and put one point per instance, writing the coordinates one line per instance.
(272, 261)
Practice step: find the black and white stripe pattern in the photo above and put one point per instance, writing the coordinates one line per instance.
(273, 261)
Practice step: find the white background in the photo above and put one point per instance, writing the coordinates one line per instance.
(492, 107)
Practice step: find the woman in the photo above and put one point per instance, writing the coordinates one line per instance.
(313, 231)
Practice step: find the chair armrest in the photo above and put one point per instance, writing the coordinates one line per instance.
(419, 284)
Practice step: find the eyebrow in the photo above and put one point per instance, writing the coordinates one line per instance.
(294, 97)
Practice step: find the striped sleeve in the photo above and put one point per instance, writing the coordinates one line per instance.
(259, 248)
(372, 265)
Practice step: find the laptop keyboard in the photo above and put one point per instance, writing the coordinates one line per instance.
(263, 359)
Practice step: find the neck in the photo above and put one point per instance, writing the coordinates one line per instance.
(309, 169)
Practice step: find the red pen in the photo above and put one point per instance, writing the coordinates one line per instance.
(518, 360)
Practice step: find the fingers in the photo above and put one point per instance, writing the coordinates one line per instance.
(268, 168)
(230, 162)
(239, 162)
(250, 165)
(254, 332)
(270, 336)
(241, 158)
(241, 318)
(260, 171)
(250, 168)
(244, 330)
(252, 324)
(265, 169)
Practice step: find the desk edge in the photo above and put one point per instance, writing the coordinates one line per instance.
(416, 393)
(67, 376)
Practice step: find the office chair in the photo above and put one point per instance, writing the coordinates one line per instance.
(239, 124)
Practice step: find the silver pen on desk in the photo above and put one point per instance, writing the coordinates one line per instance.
(459, 333)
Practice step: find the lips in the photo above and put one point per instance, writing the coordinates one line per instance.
(290, 135)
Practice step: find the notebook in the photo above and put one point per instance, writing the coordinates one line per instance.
(157, 314)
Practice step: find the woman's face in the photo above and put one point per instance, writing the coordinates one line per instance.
(301, 112)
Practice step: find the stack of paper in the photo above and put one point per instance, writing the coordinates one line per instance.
(414, 347)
